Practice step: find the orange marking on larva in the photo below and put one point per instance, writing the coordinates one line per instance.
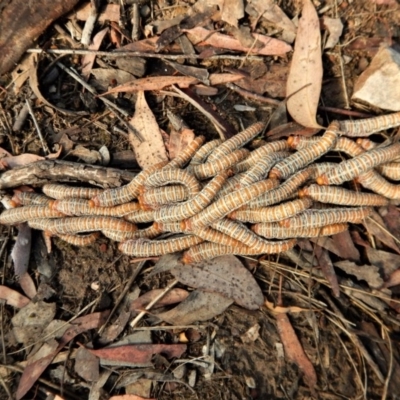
(140, 248)
(302, 158)
(350, 169)
(274, 231)
(236, 141)
(127, 193)
(366, 127)
(373, 181)
(22, 214)
(185, 155)
(211, 168)
(229, 202)
(205, 251)
(65, 192)
(174, 176)
(205, 151)
(319, 218)
(82, 224)
(338, 195)
(192, 206)
(260, 153)
(77, 240)
(274, 213)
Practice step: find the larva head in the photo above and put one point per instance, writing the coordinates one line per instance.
(158, 226)
(53, 204)
(293, 141)
(232, 215)
(274, 174)
(322, 180)
(94, 202)
(187, 258)
(303, 192)
(254, 228)
(186, 225)
(285, 223)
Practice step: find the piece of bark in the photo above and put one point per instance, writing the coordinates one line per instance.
(22, 22)
(47, 171)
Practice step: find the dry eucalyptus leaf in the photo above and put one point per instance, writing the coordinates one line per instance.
(368, 273)
(335, 29)
(225, 275)
(21, 251)
(198, 306)
(305, 75)
(88, 156)
(104, 77)
(151, 149)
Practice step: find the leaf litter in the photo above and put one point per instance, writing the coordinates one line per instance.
(218, 285)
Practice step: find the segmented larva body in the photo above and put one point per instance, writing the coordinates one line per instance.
(373, 181)
(258, 154)
(82, 207)
(368, 126)
(80, 240)
(275, 231)
(119, 236)
(259, 170)
(205, 251)
(154, 197)
(283, 191)
(229, 186)
(185, 155)
(142, 248)
(350, 169)
(338, 195)
(169, 226)
(56, 191)
(205, 151)
(319, 218)
(140, 216)
(18, 215)
(245, 236)
(271, 214)
(302, 158)
(127, 193)
(31, 199)
(390, 170)
(193, 206)
(236, 141)
(175, 176)
(211, 168)
(228, 203)
(214, 236)
(82, 224)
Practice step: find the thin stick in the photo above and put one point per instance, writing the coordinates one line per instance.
(44, 145)
(118, 54)
(152, 303)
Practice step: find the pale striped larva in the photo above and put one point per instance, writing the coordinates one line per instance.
(340, 196)
(373, 181)
(140, 216)
(185, 155)
(30, 199)
(18, 215)
(205, 151)
(79, 240)
(153, 197)
(57, 191)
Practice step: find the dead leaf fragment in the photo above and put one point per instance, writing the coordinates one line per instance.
(21, 251)
(225, 275)
(335, 29)
(12, 297)
(368, 273)
(305, 75)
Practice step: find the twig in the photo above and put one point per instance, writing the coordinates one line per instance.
(44, 145)
(117, 54)
(151, 304)
(89, 24)
(135, 21)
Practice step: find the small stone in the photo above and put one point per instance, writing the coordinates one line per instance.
(379, 84)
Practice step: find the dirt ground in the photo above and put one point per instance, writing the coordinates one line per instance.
(244, 368)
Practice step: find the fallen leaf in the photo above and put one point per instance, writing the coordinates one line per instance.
(12, 297)
(34, 369)
(27, 285)
(291, 128)
(20, 73)
(85, 154)
(179, 140)
(367, 273)
(225, 275)
(325, 263)
(232, 11)
(17, 161)
(129, 397)
(344, 243)
(294, 350)
(198, 306)
(391, 217)
(305, 76)
(87, 365)
(151, 149)
(88, 59)
(21, 251)
(335, 29)
(111, 12)
(138, 353)
(203, 37)
(172, 297)
(106, 76)
(387, 262)
(394, 279)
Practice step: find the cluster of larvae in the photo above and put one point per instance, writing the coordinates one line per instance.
(219, 198)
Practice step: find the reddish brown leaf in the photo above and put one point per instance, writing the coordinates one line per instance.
(128, 397)
(12, 297)
(291, 128)
(21, 251)
(139, 353)
(346, 247)
(172, 297)
(27, 285)
(325, 263)
(367, 273)
(305, 76)
(34, 369)
(294, 351)
(394, 279)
